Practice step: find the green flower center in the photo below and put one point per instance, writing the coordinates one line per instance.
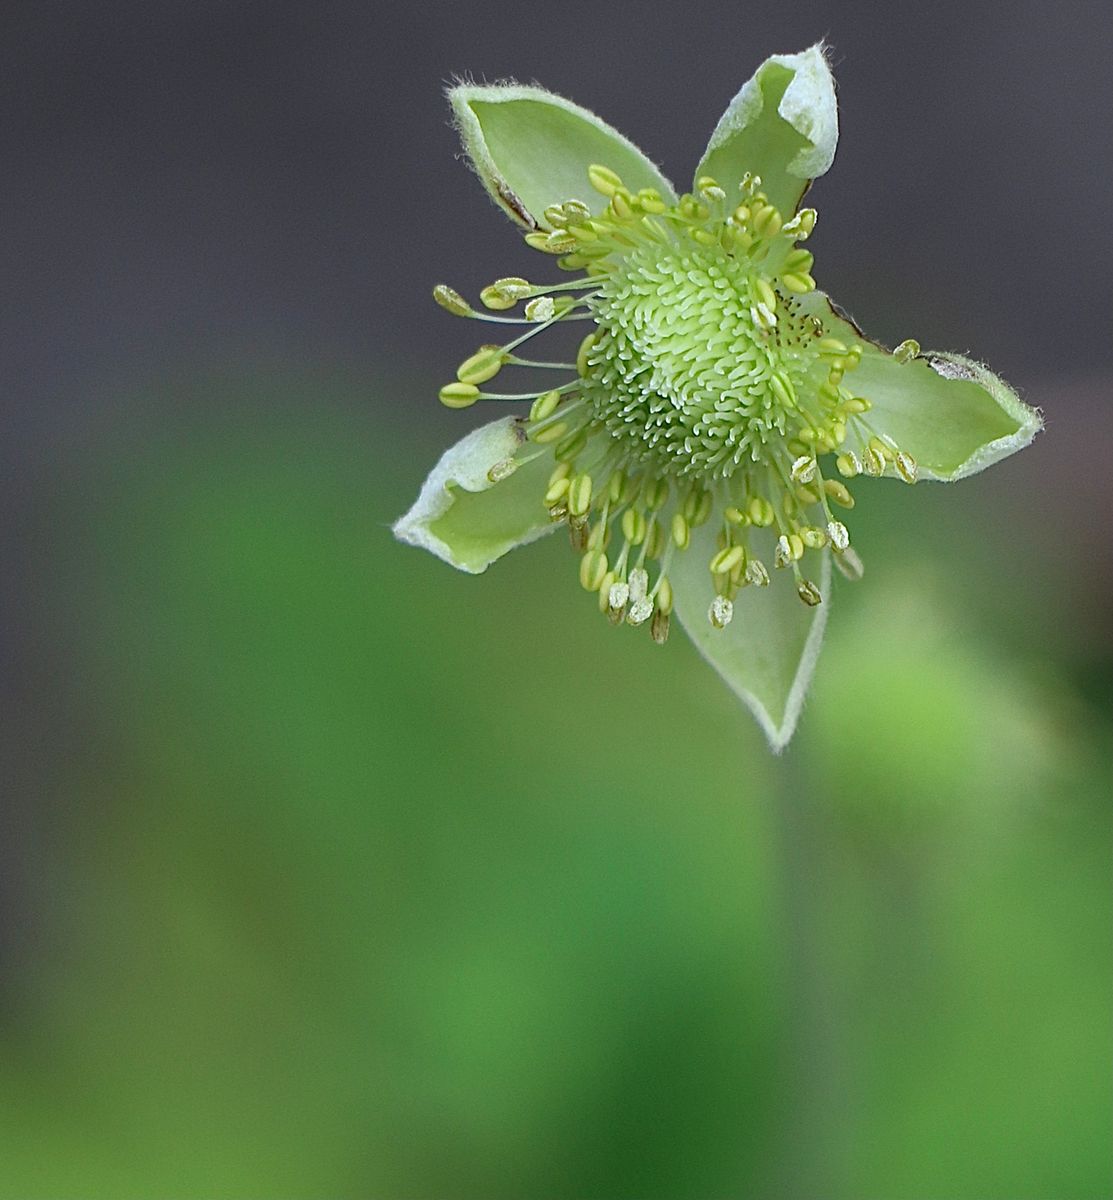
(685, 373)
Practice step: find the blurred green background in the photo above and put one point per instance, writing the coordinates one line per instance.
(328, 872)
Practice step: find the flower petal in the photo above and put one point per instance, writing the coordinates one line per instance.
(464, 518)
(768, 652)
(532, 148)
(782, 125)
(954, 416)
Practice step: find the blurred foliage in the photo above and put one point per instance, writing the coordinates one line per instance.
(369, 879)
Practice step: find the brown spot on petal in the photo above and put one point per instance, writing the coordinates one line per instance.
(951, 370)
(514, 202)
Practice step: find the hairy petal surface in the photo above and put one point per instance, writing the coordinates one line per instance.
(953, 415)
(783, 125)
(464, 518)
(767, 654)
(532, 148)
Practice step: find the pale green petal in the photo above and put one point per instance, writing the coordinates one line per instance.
(532, 148)
(954, 416)
(768, 652)
(782, 125)
(464, 518)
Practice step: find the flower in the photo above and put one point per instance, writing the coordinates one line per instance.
(698, 448)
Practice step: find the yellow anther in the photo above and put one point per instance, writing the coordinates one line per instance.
(761, 512)
(583, 233)
(554, 216)
(450, 299)
(879, 447)
(576, 211)
(560, 471)
(798, 282)
(831, 347)
(799, 261)
(767, 221)
(616, 485)
(605, 591)
(561, 241)
(664, 594)
(853, 357)
(600, 536)
(906, 466)
(621, 205)
(649, 201)
(807, 496)
(495, 300)
(856, 404)
(726, 560)
(583, 355)
(907, 350)
(806, 218)
(809, 593)
(541, 308)
(681, 531)
(579, 495)
(796, 546)
(549, 433)
(634, 526)
(764, 294)
(458, 395)
(556, 492)
(573, 262)
(736, 516)
(703, 237)
(603, 179)
(544, 406)
(838, 492)
(781, 387)
(741, 215)
(813, 537)
(835, 374)
(484, 364)
(873, 462)
(593, 570)
(655, 540)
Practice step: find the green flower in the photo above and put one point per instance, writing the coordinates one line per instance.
(698, 447)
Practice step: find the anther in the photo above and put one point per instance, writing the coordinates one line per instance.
(664, 594)
(579, 495)
(634, 526)
(549, 433)
(803, 469)
(639, 584)
(540, 308)
(450, 299)
(756, 573)
(726, 560)
(838, 492)
(809, 593)
(603, 180)
(781, 387)
(557, 489)
(483, 365)
(640, 612)
(659, 628)
(839, 535)
(458, 395)
(681, 531)
(721, 612)
(544, 406)
(907, 350)
(906, 466)
(502, 470)
(593, 567)
(760, 512)
(618, 596)
(848, 465)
